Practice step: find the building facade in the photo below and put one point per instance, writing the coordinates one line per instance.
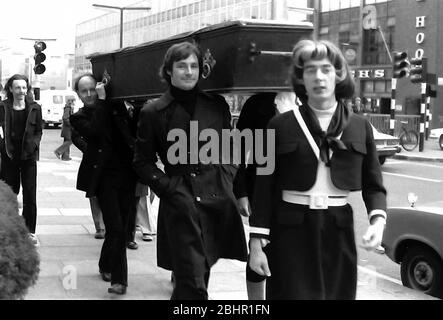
(368, 31)
(172, 17)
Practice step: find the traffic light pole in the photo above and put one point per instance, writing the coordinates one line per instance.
(37, 87)
(392, 118)
(121, 15)
(428, 116)
(422, 116)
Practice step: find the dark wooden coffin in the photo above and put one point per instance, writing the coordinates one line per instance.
(240, 56)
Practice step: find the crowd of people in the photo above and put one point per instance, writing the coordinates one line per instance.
(302, 242)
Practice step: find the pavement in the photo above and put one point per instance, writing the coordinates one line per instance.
(69, 253)
(431, 152)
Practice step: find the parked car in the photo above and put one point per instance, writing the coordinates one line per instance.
(414, 239)
(387, 145)
(437, 134)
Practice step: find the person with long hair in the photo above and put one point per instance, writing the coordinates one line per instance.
(20, 135)
(302, 232)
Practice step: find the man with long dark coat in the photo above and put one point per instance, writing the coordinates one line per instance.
(198, 220)
(106, 172)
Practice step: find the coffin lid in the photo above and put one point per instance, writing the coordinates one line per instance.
(251, 23)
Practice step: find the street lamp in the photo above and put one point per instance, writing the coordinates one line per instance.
(121, 15)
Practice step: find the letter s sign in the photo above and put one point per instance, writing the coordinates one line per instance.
(369, 17)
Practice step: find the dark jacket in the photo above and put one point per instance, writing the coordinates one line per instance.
(255, 114)
(33, 129)
(198, 217)
(66, 125)
(356, 168)
(108, 137)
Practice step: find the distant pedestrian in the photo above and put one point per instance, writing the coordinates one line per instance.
(357, 108)
(20, 136)
(63, 151)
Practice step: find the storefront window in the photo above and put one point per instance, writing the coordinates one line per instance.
(380, 86)
(368, 86)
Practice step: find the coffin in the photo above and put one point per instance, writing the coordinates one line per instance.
(240, 56)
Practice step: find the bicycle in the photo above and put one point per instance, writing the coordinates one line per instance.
(408, 138)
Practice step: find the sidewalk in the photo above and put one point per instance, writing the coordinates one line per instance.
(431, 153)
(69, 255)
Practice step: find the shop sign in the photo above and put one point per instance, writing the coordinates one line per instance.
(368, 73)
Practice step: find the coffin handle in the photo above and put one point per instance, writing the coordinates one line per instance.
(254, 52)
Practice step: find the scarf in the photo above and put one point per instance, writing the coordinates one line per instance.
(327, 141)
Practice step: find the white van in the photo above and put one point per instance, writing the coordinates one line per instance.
(53, 103)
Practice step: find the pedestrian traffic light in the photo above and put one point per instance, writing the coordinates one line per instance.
(400, 64)
(418, 72)
(39, 57)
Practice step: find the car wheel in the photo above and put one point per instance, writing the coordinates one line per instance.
(382, 160)
(422, 269)
(440, 142)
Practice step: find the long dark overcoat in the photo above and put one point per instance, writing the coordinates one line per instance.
(198, 220)
(92, 135)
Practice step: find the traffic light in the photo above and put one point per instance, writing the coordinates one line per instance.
(400, 64)
(419, 71)
(39, 57)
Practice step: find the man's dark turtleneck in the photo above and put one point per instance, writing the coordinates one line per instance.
(187, 98)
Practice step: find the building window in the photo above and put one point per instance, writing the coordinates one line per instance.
(380, 86)
(344, 37)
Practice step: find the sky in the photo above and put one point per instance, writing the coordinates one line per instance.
(48, 19)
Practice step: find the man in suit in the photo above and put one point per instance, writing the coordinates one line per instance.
(106, 172)
(20, 136)
(302, 234)
(198, 220)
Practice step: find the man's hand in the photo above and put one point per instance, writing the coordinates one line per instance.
(243, 205)
(374, 234)
(257, 258)
(100, 89)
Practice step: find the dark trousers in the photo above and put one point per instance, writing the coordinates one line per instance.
(64, 149)
(130, 232)
(191, 288)
(25, 171)
(116, 199)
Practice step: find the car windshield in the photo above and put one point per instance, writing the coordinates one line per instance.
(57, 99)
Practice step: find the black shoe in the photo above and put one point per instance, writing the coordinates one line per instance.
(106, 276)
(117, 288)
(132, 245)
(147, 237)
